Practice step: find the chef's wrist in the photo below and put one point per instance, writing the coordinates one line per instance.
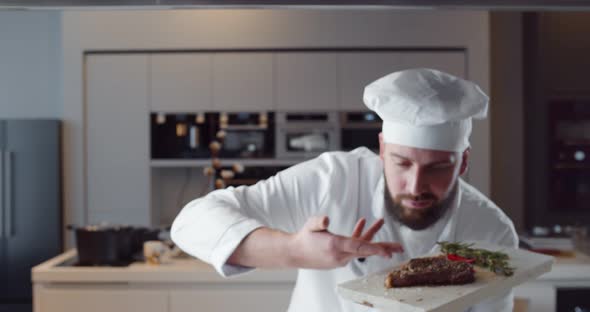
(292, 251)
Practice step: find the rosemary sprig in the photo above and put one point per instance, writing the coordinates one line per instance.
(495, 261)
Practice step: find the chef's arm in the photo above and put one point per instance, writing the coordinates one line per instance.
(311, 247)
(270, 224)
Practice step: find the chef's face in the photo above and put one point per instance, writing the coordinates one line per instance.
(419, 182)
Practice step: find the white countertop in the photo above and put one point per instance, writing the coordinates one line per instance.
(178, 270)
(190, 270)
(575, 268)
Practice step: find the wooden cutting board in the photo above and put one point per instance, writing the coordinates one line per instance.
(370, 290)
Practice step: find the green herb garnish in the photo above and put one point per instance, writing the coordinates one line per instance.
(495, 261)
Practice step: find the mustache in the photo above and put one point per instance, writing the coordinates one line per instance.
(419, 197)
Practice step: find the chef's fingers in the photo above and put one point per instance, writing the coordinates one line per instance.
(358, 228)
(391, 247)
(368, 236)
(358, 247)
(317, 223)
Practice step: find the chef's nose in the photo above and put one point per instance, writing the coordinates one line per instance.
(417, 182)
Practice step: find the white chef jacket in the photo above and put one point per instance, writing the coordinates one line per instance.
(344, 186)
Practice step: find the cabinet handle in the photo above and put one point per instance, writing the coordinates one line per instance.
(8, 194)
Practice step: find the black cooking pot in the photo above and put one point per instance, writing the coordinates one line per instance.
(110, 245)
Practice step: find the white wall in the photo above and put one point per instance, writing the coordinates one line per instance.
(30, 64)
(244, 29)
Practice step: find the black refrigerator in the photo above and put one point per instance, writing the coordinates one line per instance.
(30, 205)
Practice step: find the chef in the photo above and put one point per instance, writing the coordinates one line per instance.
(343, 215)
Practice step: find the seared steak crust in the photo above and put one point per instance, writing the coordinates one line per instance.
(431, 271)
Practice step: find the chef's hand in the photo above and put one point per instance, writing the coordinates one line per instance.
(316, 248)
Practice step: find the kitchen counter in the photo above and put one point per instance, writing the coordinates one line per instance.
(177, 270)
(190, 270)
(176, 286)
(569, 269)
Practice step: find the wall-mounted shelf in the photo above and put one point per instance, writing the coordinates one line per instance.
(262, 162)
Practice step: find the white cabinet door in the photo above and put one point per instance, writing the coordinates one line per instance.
(117, 139)
(181, 82)
(101, 300)
(243, 82)
(358, 69)
(307, 81)
(248, 297)
(452, 62)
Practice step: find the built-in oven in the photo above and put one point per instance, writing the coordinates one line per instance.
(252, 174)
(360, 129)
(570, 158)
(180, 135)
(305, 135)
(246, 134)
(574, 299)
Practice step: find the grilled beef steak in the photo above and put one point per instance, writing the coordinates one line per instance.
(431, 271)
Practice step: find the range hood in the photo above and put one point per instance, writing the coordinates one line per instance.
(303, 4)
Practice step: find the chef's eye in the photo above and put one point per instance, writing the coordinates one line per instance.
(403, 164)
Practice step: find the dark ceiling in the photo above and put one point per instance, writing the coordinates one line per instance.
(316, 4)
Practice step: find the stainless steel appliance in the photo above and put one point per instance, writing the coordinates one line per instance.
(572, 299)
(305, 135)
(570, 159)
(360, 129)
(252, 174)
(246, 134)
(30, 205)
(178, 136)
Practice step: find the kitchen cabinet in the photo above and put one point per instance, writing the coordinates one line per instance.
(358, 69)
(243, 82)
(451, 61)
(116, 298)
(252, 297)
(117, 139)
(307, 81)
(181, 82)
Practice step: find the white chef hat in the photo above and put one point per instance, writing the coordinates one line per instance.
(426, 108)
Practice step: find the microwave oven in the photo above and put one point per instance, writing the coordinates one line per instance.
(305, 135)
(246, 134)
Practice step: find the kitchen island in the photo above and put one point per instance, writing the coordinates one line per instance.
(187, 284)
(181, 284)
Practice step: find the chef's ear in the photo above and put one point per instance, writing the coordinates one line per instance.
(381, 146)
(464, 161)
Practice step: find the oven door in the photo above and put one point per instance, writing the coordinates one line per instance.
(301, 142)
(571, 190)
(248, 144)
(177, 136)
(367, 137)
(360, 129)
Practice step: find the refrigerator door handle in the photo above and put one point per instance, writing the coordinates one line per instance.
(1, 193)
(8, 194)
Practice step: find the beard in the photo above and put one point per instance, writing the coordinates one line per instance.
(417, 219)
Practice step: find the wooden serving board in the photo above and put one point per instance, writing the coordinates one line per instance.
(370, 290)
